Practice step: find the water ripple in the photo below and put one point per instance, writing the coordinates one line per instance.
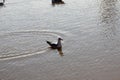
(26, 43)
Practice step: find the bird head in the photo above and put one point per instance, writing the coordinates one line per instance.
(60, 39)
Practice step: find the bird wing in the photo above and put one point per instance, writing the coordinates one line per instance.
(54, 46)
(49, 43)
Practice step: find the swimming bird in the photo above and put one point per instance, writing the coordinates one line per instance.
(2, 3)
(56, 46)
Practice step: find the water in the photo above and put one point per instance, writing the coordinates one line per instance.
(90, 29)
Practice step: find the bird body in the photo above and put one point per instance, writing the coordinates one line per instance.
(55, 46)
(56, 1)
(2, 3)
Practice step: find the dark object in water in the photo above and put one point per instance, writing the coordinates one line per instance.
(55, 46)
(2, 3)
(57, 2)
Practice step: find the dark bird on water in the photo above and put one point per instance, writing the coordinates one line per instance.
(55, 46)
(57, 1)
(2, 3)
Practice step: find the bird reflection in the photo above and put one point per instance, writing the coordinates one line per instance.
(60, 52)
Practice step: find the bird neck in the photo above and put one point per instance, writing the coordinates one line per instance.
(3, 1)
(59, 43)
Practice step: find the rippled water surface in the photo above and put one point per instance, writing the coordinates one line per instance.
(91, 40)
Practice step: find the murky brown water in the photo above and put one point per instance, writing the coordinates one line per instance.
(91, 46)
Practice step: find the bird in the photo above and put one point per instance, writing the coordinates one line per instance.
(56, 46)
(57, 2)
(2, 3)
